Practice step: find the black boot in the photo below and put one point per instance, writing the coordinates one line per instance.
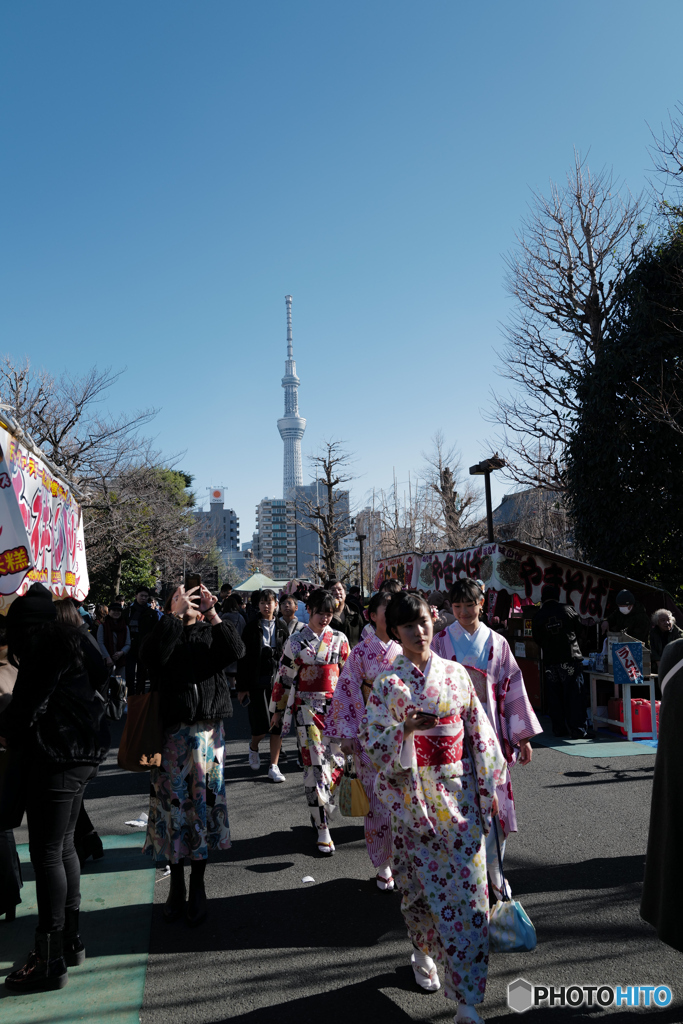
(196, 904)
(45, 968)
(175, 904)
(74, 950)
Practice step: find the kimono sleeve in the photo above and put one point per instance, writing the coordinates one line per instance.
(381, 734)
(286, 675)
(348, 709)
(489, 764)
(514, 706)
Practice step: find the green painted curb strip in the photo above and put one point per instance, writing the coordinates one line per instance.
(116, 913)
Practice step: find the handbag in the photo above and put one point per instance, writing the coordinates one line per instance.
(115, 699)
(143, 734)
(350, 794)
(510, 927)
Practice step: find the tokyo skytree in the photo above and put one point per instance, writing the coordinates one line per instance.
(291, 425)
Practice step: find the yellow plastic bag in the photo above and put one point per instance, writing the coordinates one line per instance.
(350, 794)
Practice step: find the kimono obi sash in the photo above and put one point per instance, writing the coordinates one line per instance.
(442, 744)
(320, 680)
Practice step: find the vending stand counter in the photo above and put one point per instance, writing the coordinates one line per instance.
(517, 575)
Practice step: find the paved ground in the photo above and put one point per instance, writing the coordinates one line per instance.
(276, 950)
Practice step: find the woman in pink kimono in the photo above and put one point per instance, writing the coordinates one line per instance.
(374, 654)
(438, 764)
(500, 687)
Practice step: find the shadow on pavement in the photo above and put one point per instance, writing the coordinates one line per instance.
(245, 922)
(365, 1001)
(597, 873)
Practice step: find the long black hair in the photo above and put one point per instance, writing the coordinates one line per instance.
(404, 608)
(57, 644)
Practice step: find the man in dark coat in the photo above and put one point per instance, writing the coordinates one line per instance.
(346, 619)
(555, 628)
(264, 639)
(659, 904)
(630, 617)
(141, 620)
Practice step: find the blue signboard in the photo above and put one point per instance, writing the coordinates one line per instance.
(627, 660)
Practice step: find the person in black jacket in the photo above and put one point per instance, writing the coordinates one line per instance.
(555, 629)
(186, 654)
(264, 639)
(346, 619)
(55, 723)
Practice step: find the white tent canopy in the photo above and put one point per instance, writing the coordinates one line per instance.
(260, 582)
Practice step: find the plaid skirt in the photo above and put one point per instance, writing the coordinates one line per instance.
(188, 813)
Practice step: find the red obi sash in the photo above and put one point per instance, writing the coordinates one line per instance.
(442, 744)
(318, 679)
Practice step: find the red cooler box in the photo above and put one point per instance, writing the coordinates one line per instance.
(640, 714)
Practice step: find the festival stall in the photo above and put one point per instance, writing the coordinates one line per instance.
(41, 522)
(517, 577)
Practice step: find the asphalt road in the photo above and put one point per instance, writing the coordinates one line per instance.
(275, 950)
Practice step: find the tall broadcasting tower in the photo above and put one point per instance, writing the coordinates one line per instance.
(291, 425)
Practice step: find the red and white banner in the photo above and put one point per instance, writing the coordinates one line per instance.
(41, 527)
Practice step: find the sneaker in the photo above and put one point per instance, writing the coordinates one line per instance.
(254, 759)
(274, 774)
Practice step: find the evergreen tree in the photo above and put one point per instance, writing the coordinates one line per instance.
(624, 461)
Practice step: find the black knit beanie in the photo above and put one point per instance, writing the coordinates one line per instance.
(35, 607)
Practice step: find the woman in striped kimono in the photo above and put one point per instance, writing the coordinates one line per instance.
(309, 669)
(498, 682)
(438, 764)
(374, 654)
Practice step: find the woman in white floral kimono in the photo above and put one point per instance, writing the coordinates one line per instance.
(438, 764)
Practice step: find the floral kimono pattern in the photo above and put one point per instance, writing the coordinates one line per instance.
(304, 688)
(188, 812)
(367, 659)
(508, 708)
(440, 809)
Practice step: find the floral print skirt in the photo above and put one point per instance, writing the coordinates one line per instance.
(188, 813)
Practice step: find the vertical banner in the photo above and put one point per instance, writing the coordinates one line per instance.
(41, 527)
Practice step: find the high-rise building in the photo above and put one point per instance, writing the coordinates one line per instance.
(291, 425)
(274, 544)
(308, 549)
(219, 524)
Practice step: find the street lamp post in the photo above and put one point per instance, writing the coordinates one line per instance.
(361, 537)
(485, 468)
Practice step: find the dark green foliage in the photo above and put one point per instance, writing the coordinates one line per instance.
(624, 461)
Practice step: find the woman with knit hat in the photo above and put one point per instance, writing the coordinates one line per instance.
(55, 722)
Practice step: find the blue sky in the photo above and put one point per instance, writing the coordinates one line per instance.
(170, 170)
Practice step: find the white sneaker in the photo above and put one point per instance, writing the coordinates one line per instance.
(254, 759)
(274, 774)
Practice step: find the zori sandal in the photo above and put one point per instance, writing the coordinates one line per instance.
(424, 970)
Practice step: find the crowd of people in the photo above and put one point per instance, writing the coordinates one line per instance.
(422, 699)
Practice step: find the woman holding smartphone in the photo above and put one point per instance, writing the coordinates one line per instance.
(187, 653)
(438, 764)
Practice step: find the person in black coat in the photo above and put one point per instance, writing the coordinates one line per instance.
(555, 629)
(659, 905)
(55, 725)
(186, 655)
(264, 639)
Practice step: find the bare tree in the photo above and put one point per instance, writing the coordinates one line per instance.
(455, 516)
(63, 417)
(667, 157)
(327, 515)
(573, 249)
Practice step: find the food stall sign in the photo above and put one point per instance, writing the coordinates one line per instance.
(627, 660)
(41, 525)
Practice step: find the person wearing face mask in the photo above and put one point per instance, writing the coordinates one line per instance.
(311, 662)
(374, 654)
(628, 617)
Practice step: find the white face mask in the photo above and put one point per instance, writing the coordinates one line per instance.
(624, 609)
